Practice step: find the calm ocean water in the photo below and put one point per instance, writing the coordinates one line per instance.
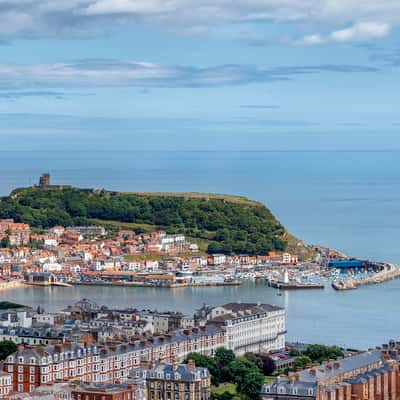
(347, 200)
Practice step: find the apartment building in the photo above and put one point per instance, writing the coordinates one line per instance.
(109, 363)
(250, 327)
(176, 381)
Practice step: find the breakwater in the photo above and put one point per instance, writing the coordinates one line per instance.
(165, 285)
(388, 272)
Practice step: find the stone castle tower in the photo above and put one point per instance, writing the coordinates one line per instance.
(44, 180)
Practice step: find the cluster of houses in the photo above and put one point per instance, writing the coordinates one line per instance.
(92, 344)
(87, 252)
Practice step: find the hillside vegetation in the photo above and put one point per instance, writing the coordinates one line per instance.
(228, 224)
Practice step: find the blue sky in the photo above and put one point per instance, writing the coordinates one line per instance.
(184, 74)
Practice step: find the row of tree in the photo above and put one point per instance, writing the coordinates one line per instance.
(247, 372)
(314, 353)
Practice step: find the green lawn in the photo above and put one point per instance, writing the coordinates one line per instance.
(224, 387)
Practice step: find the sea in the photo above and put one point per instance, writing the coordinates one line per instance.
(348, 200)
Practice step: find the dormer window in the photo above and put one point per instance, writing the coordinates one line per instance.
(310, 392)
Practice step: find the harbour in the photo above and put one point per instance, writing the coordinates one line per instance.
(313, 316)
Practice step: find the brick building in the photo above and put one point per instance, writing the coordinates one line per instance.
(104, 392)
(365, 376)
(176, 381)
(32, 366)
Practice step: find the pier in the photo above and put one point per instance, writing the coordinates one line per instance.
(387, 273)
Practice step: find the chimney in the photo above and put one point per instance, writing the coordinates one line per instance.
(58, 348)
(296, 376)
(21, 347)
(336, 365)
(313, 371)
(175, 363)
(191, 365)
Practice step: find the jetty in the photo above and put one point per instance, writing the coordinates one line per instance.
(288, 284)
(44, 279)
(388, 272)
(295, 285)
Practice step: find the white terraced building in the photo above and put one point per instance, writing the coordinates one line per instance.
(251, 327)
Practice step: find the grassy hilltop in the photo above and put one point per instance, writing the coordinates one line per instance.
(220, 223)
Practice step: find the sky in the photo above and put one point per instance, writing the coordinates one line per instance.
(204, 74)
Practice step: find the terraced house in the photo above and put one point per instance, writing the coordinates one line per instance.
(365, 376)
(32, 366)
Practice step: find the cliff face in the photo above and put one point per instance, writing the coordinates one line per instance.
(223, 223)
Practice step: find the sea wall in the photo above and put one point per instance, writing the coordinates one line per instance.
(10, 285)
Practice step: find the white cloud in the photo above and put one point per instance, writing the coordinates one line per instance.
(362, 31)
(113, 73)
(310, 40)
(68, 17)
(358, 32)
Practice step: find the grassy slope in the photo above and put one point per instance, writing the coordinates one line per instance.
(295, 246)
(194, 195)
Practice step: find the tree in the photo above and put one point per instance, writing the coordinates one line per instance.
(5, 242)
(7, 347)
(268, 366)
(206, 362)
(301, 362)
(295, 352)
(251, 384)
(224, 357)
(236, 371)
(319, 352)
(254, 358)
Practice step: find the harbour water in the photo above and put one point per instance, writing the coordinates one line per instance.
(346, 200)
(362, 318)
